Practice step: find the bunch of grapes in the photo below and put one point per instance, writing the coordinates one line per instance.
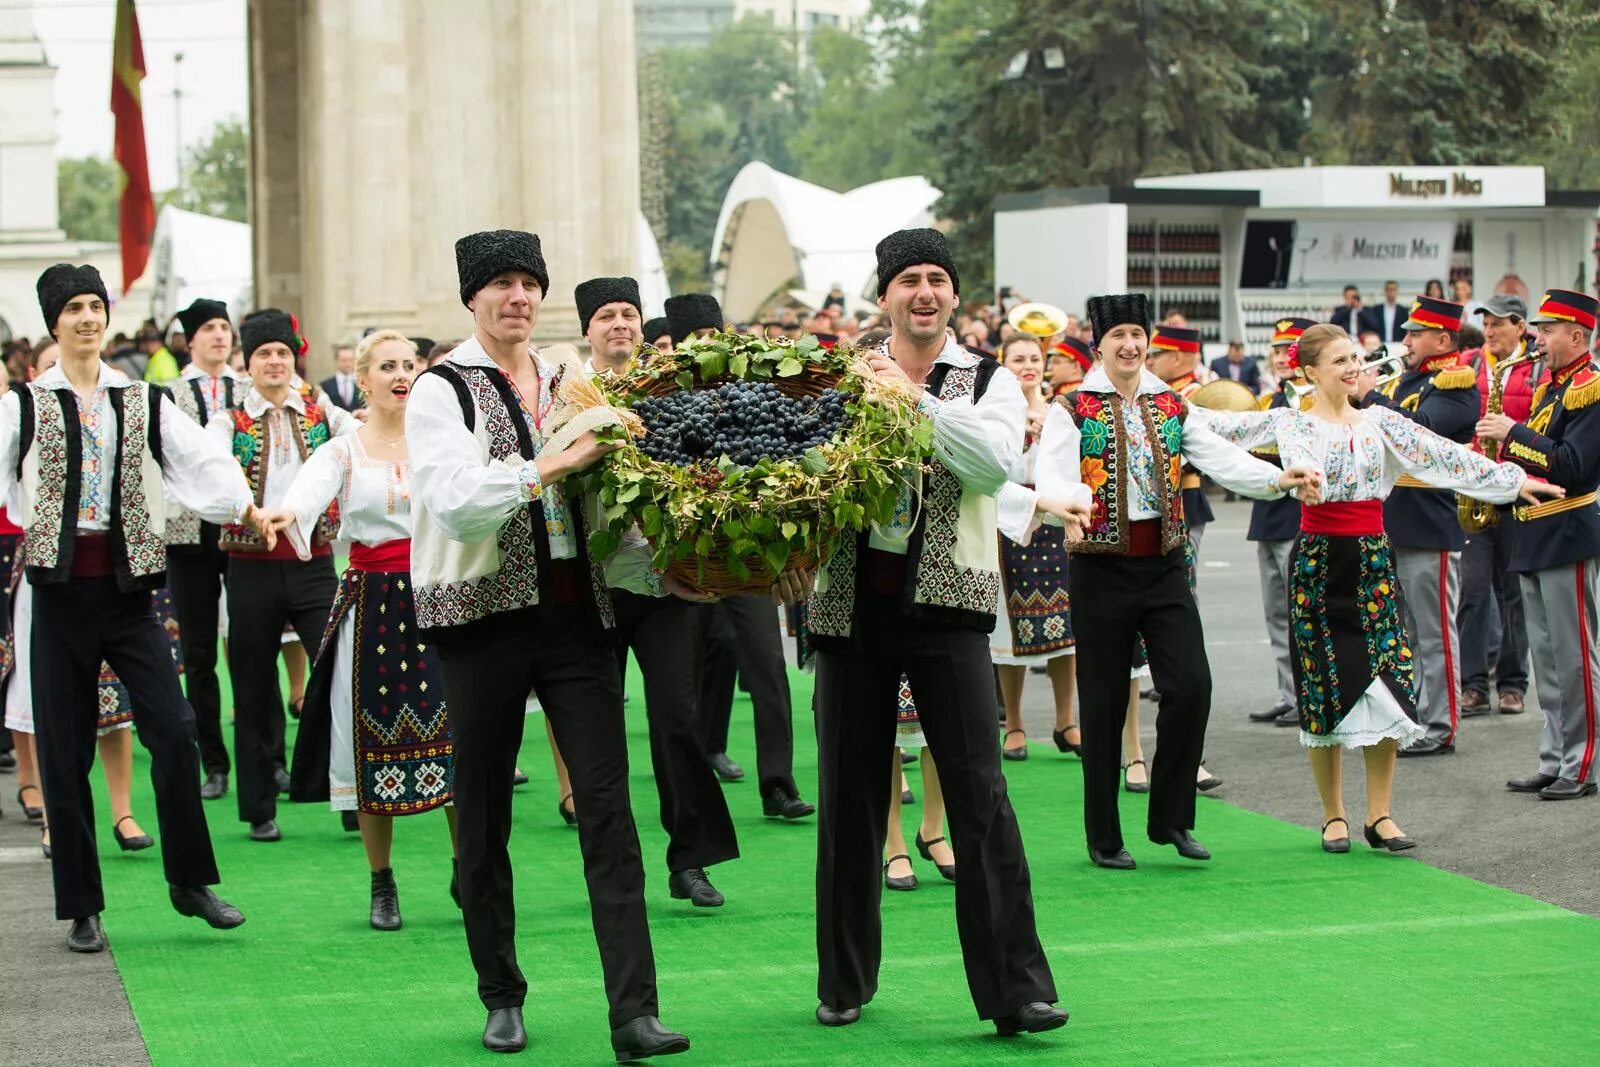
(745, 421)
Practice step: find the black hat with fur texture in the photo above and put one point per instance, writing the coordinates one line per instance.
(201, 312)
(1106, 312)
(60, 283)
(654, 328)
(907, 248)
(482, 257)
(691, 312)
(268, 325)
(596, 293)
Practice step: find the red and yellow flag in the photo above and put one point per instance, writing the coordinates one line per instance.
(137, 216)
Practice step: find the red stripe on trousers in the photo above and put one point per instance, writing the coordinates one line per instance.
(1588, 678)
(1449, 653)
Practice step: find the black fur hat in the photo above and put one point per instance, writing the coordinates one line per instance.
(480, 257)
(1106, 312)
(201, 312)
(270, 324)
(907, 248)
(60, 283)
(691, 312)
(654, 328)
(596, 293)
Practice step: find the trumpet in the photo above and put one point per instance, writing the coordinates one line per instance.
(1294, 392)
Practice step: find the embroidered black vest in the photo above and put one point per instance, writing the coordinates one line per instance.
(252, 444)
(1103, 464)
(183, 525)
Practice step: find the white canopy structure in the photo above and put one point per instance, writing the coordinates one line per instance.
(779, 238)
(196, 256)
(649, 272)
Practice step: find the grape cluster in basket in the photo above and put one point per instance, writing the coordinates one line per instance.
(743, 420)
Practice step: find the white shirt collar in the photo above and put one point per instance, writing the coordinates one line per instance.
(470, 353)
(192, 371)
(952, 353)
(255, 405)
(1097, 381)
(110, 378)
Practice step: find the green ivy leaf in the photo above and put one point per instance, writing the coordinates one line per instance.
(650, 520)
(628, 492)
(789, 367)
(602, 543)
(814, 462)
(686, 380)
(776, 556)
(713, 365)
(739, 365)
(732, 528)
(789, 531)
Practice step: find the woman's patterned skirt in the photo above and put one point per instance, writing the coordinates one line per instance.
(1036, 614)
(1353, 666)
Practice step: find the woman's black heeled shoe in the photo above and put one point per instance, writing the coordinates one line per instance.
(1015, 753)
(1336, 844)
(568, 816)
(947, 870)
(44, 846)
(1135, 787)
(518, 777)
(909, 882)
(1060, 738)
(1393, 844)
(29, 812)
(136, 843)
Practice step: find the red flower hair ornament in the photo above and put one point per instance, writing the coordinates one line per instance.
(1294, 356)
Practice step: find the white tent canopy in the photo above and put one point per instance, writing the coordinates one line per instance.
(778, 236)
(196, 256)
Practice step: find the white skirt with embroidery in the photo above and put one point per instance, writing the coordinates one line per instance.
(1375, 718)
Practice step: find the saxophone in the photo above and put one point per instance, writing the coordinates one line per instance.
(1476, 515)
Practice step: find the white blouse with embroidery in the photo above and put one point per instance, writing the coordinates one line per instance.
(374, 495)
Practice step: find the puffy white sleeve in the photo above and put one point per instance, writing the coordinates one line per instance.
(10, 426)
(197, 465)
(1249, 430)
(1015, 511)
(1229, 465)
(1417, 451)
(1056, 470)
(980, 443)
(466, 495)
(321, 480)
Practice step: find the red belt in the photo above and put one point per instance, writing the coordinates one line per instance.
(389, 557)
(1144, 538)
(1343, 518)
(282, 552)
(91, 556)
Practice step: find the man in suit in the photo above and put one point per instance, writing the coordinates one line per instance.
(341, 387)
(1235, 367)
(1348, 315)
(1387, 320)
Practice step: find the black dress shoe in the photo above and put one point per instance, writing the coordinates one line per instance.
(1187, 847)
(1060, 738)
(1018, 753)
(504, 1031)
(568, 815)
(641, 1038)
(1531, 784)
(1336, 844)
(1033, 1018)
(899, 883)
(726, 769)
(781, 802)
(1271, 714)
(1119, 860)
(907, 757)
(280, 778)
(519, 777)
(135, 843)
(691, 884)
(1208, 783)
(215, 786)
(947, 870)
(1393, 844)
(202, 903)
(831, 1016)
(907, 797)
(1566, 789)
(1290, 717)
(265, 831)
(86, 935)
(1428, 747)
(385, 900)
(351, 822)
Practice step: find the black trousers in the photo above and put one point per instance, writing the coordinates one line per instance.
(76, 624)
(664, 634)
(856, 697)
(742, 638)
(489, 669)
(194, 574)
(264, 595)
(1127, 596)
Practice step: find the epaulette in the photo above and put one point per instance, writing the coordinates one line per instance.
(1456, 378)
(1584, 390)
(1306, 402)
(1264, 403)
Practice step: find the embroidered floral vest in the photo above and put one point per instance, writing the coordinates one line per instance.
(183, 525)
(252, 445)
(1103, 464)
(953, 565)
(509, 579)
(50, 480)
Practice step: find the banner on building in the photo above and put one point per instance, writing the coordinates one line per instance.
(1360, 251)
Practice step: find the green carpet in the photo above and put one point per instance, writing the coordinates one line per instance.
(1272, 953)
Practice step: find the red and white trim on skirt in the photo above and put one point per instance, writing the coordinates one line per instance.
(1587, 763)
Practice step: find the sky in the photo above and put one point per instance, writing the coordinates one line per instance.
(77, 41)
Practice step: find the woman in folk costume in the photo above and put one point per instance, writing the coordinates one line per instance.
(375, 736)
(1353, 664)
(1035, 620)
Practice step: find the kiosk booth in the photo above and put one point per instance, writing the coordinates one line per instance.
(1235, 251)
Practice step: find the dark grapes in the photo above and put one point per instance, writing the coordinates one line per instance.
(745, 421)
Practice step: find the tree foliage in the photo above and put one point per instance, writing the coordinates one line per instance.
(87, 190)
(216, 174)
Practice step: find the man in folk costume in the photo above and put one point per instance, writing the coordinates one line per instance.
(1438, 393)
(1556, 544)
(1118, 445)
(1488, 586)
(659, 619)
(280, 421)
(1174, 357)
(196, 563)
(917, 596)
(1274, 524)
(508, 595)
(93, 456)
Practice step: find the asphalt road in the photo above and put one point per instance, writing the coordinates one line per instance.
(57, 1008)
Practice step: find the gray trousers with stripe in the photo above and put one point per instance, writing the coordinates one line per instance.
(1272, 560)
(1430, 581)
(1562, 625)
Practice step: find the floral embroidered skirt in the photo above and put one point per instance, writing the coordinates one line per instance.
(1353, 665)
(389, 750)
(1035, 624)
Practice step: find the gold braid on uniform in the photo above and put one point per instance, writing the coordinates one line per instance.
(1456, 378)
(1581, 396)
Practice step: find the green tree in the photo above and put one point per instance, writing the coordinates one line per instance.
(857, 125)
(216, 173)
(87, 192)
(1569, 116)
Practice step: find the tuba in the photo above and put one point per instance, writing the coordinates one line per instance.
(1476, 515)
(1038, 320)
